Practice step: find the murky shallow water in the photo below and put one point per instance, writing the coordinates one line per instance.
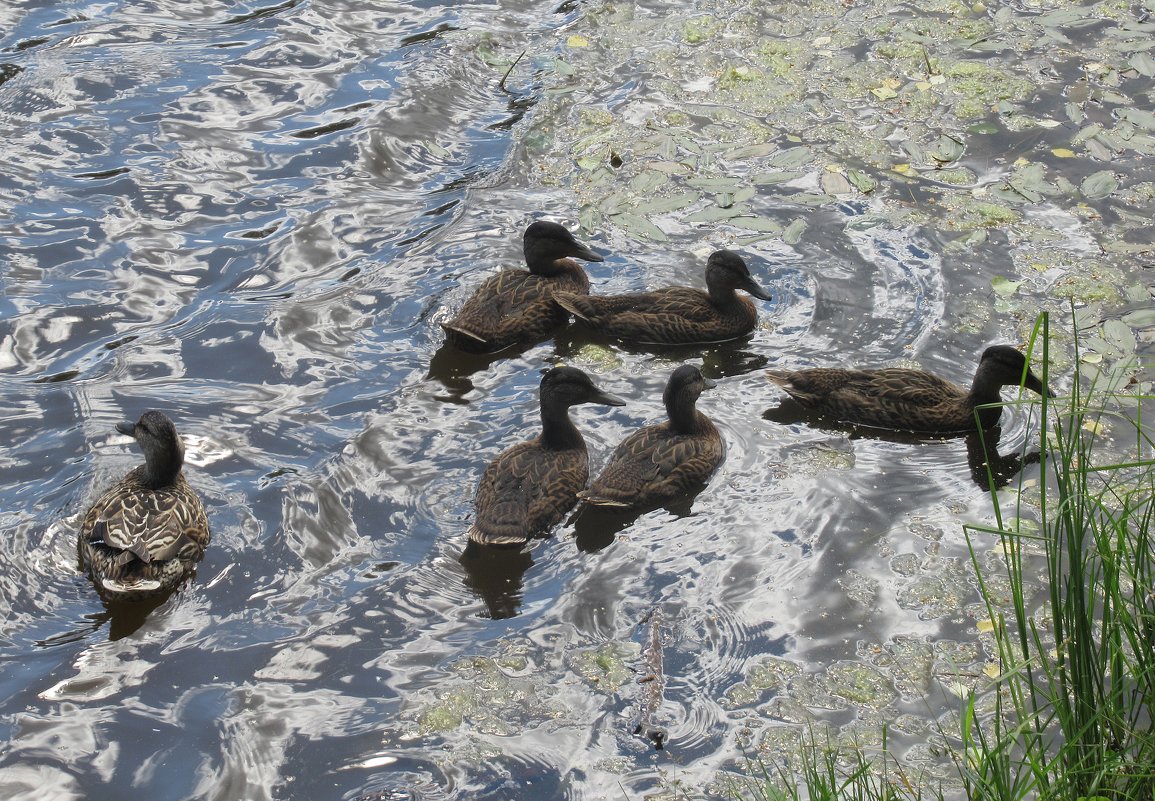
(254, 217)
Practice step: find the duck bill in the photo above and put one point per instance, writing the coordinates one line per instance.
(708, 384)
(1033, 383)
(582, 252)
(128, 429)
(755, 290)
(606, 399)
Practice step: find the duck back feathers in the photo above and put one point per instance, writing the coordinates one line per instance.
(516, 306)
(527, 490)
(678, 314)
(661, 463)
(907, 399)
(146, 533)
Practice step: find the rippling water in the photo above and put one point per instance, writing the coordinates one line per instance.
(252, 217)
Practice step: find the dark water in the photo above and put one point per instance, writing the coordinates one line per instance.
(252, 217)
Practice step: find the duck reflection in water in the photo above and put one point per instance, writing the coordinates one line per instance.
(497, 575)
(997, 471)
(979, 443)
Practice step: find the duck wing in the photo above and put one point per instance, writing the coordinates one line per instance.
(666, 316)
(526, 491)
(131, 522)
(513, 306)
(654, 464)
(596, 308)
(892, 397)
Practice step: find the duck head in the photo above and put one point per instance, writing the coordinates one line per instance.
(726, 271)
(163, 450)
(1003, 365)
(545, 243)
(685, 384)
(569, 386)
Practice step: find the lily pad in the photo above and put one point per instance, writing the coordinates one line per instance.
(792, 158)
(793, 233)
(1099, 185)
(835, 183)
(1136, 116)
(1141, 318)
(1143, 64)
(947, 149)
(777, 177)
(640, 226)
(862, 182)
(716, 213)
(762, 225)
(667, 204)
(1004, 286)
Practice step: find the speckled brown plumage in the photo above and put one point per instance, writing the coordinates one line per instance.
(516, 307)
(146, 533)
(661, 463)
(527, 490)
(677, 314)
(910, 400)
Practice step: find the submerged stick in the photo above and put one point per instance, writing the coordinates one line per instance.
(653, 681)
(501, 85)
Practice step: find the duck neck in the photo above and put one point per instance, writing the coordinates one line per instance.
(722, 296)
(549, 267)
(986, 386)
(684, 416)
(161, 471)
(558, 433)
(986, 389)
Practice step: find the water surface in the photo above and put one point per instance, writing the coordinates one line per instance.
(253, 217)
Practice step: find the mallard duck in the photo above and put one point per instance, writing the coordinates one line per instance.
(677, 314)
(515, 306)
(146, 533)
(662, 462)
(527, 489)
(911, 400)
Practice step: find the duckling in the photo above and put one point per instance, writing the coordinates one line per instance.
(146, 533)
(516, 307)
(662, 462)
(677, 314)
(526, 490)
(911, 400)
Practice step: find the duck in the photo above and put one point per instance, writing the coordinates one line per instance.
(526, 491)
(676, 315)
(146, 533)
(912, 400)
(515, 307)
(661, 463)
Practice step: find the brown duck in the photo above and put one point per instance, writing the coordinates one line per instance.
(146, 533)
(911, 400)
(516, 307)
(677, 314)
(661, 463)
(527, 490)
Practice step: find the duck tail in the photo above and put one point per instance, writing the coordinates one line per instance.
(594, 499)
(781, 378)
(488, 538)
(458, 331)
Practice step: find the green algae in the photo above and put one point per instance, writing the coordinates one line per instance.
(485, 697)
(607, 667)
